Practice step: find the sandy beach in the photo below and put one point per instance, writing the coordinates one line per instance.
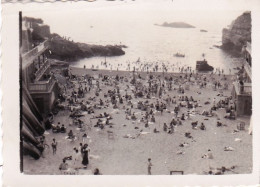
(123, 147)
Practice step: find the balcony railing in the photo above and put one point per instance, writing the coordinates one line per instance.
(42, 86)
(243, 90)
(28, 57)
(42, 70)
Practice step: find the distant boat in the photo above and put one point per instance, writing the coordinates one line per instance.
(179, 55)
(202, 30)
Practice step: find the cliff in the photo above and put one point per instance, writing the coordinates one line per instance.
(237, 34)
(176, 25)
(63, 48)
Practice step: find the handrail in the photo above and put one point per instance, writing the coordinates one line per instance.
(30, 55)
(42, 69)
(35, 49)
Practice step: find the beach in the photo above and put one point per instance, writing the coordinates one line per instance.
(123, 146)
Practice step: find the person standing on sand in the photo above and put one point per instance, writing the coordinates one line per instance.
(54, 146)
(43, 145)
(210, 155)
(76, 157)
(149, 166)
(85, 151)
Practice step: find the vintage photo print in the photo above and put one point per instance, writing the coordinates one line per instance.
(134, 91)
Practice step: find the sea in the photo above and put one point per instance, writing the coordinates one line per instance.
(133, 25)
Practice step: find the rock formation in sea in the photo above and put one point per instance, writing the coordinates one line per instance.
(237, 34)
(64, 48)
(203, 66)
(176, 25)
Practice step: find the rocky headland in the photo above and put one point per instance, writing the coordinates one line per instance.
(65, 49)
(237, 34)
(176, 25)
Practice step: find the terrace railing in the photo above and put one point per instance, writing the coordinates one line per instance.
(42, 86)
(28, 57)
(245, 90)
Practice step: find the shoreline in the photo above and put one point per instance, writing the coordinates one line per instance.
(81, 71)
(122, 64)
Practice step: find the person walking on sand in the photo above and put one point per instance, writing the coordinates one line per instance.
(149, 166)
(54, 146)
(85, 151)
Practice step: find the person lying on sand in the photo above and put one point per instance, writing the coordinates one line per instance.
(183, 144)
(180, 153)
(155, 130)
(188, 135)
(219, 171)
(220, 124)
(208, 155)
(63, 165)
(228, 148)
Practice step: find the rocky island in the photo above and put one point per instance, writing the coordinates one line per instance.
(63, 48)
(176, 25)
(237, 34)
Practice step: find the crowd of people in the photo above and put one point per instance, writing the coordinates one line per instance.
(142, 97)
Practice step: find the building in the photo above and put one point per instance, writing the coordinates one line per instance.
(242, 88)
(36, 75)
(39, 89)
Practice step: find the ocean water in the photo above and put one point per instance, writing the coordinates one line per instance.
(133, 26)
